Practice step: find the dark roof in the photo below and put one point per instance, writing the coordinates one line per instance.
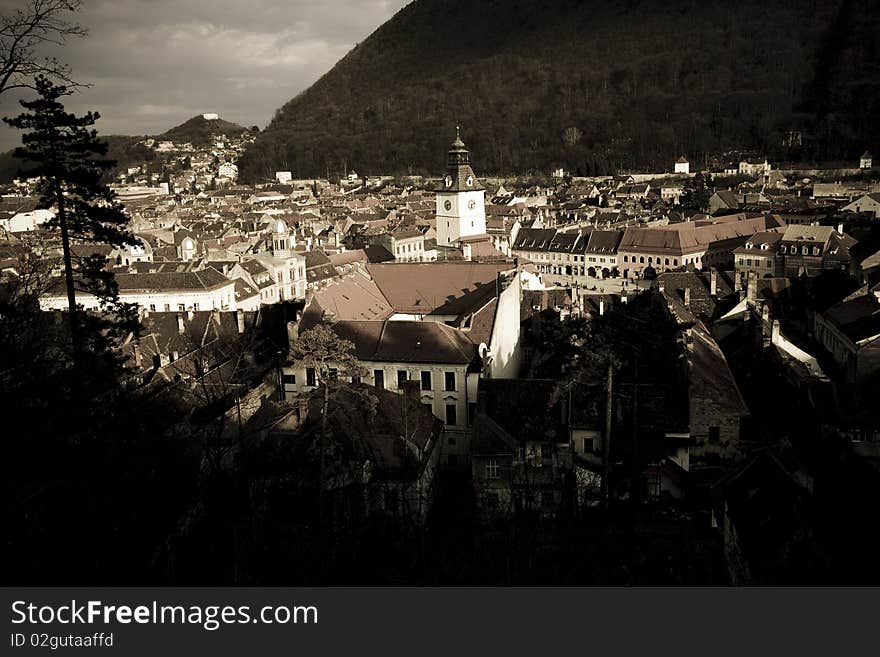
(443, 288)
(604, 241)
(857, 316)
(407, 342)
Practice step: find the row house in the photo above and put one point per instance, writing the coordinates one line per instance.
(573, 256)
(406, 243)
(697, 244)
(167, 287)
(850, 332)
(760, 255)
(808, 250)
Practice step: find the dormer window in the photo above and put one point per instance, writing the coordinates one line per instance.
(448, 181)
(470, 181)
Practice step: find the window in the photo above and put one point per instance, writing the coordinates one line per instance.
(167, 307)
(379, 378)
(196, 307)
(152, 307)
(714, 434)
(492, 501)
(332, 373)
(588, 445)
(449, 380)
(289, 379)
(311, 379)
(451, 441)
(181, 307)
(493, 471)
(426, 381)
(451, 419)
(402, 378)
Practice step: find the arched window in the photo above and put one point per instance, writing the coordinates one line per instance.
(666, 261)
(649, 260)
(642, 259)
(675, 262)
(626, 258)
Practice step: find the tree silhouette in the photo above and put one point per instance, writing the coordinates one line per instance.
(331, 357)
(26, 30)
(63, 150)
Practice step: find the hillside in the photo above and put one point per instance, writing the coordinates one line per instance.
(127, 150)
(590, 85)
(200, 131)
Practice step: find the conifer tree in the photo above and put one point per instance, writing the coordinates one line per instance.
(66, 153)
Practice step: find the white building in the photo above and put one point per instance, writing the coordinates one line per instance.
(25, 222)
(165, 289)
(460, 199)
(866, 161)
(228, 170)
(682, 165)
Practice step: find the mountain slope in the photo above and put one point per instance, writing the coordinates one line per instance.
(590, 85)
(200, 131)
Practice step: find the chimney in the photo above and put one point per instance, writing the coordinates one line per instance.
(601, 307)
(765, 313)
(840, 228)
(181, 328)
(239, 316)
(137, 354)
(713, 282)
(687, 297)
(752, 288)
(774, 332)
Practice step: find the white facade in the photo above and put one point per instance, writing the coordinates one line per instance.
(25, 222)
(460, 214)
(219, 298)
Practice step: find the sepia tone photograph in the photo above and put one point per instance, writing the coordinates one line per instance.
(440, 293)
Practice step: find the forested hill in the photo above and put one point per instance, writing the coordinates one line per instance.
(591, 85)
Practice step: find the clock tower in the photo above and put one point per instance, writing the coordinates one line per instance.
(461, 199)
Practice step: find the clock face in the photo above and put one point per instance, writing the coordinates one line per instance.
(448, 205)
(472, 204)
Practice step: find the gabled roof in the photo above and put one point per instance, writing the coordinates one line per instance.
(441, 288)
(407, 342)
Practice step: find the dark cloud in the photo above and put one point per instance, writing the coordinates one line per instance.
(155, 63)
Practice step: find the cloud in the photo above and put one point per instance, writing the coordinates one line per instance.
(153, 64)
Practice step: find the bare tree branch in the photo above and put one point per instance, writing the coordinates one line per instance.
(25, 31)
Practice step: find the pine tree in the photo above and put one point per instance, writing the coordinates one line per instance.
(67, 158)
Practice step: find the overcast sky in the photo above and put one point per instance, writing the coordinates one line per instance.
(155, 63)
